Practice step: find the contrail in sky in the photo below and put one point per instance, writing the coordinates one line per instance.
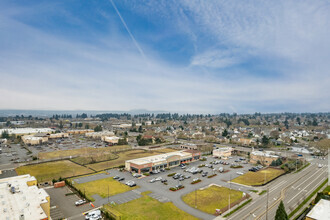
(129, 32)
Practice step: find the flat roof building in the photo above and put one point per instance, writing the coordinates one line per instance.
(320, 211)
(222, 152)
(265, 158)
(25, 131)
(20, 198)
(172, 159)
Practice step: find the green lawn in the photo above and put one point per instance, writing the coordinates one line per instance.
(53, 170)
(101, 186)
(258, 178)
(212, 198)
(149, 208)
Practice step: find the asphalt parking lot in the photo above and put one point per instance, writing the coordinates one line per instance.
(64, 206)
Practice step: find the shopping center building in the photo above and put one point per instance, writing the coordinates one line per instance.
(172, 159)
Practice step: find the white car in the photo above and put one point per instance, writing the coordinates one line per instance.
(152, 180)
(80, 202)
(320, 165)
(195, 179)
(94, 215)
(239, 173)
(159, 178)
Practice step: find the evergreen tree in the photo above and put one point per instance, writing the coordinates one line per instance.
(225, 133)
(281, 213)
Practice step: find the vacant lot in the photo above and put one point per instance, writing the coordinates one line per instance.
(212, 198)
(53, 170)
(101, 187)
(148, 208)
(258, 178)
(94, 158)
(126, 155)
(83, 152)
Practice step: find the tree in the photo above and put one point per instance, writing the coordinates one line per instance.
(281, 213)
(314, 122)
(225, 133)
(265, 140)
(98, 128)
(61, 125)
(140, 129)
(122, 141)
(80, 124)
(87, 126)
(286, 123)
(5, 134)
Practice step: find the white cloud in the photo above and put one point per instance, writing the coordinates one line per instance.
(45, 71)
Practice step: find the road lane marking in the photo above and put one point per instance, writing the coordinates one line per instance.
(305, 188)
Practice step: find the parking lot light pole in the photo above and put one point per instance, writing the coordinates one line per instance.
(229, 190)
(108, 195)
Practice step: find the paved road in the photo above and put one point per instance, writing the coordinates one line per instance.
(292, 188)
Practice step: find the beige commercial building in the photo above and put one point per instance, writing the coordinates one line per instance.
(320, 211)
(172, 159)
(20, 198)
(27, 131)
(265, 158)
(32, 140)
(110, 140)
(222, 152)
(84, 131)
(59, 135)
(100, 135)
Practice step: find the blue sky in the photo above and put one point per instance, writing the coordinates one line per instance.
(178, 56)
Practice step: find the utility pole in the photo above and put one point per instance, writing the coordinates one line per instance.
(108, 194)
(229, 190)
(267, 205)
(196, 198)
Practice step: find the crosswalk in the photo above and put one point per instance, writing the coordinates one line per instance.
(160, 198)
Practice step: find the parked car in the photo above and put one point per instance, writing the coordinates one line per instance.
(220, 169)
(152, 180)
(130, 183)
(187, 176)
(178, 186)
(116, 177)
(121, 179)
(239, 173)
(195, 179)
(136, 175)
(80, 202)
(164, 180)
(93, 215)
(159, 178)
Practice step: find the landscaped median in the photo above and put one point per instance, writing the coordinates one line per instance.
(214, 197)
(146, 208)
(260, 177)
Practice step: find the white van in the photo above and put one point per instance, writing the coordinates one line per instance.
(93, 215)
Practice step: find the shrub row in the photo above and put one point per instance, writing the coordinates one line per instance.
(213, 175)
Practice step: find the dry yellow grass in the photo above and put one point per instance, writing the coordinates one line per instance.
(127, 155)
(258, 178)
(212, 198)
(85, 151)
(101, 186)
(53, 170)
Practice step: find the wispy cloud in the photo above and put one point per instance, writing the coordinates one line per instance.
(236, 46)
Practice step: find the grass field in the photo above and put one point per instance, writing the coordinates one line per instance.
(100, 187)
(94, 158)
(85, 151)
(212, 198)
(127, 155)
(53, 170)
(258, 178)
(149, 208)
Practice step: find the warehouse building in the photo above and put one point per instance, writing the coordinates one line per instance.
(20, 198)
(172, 159)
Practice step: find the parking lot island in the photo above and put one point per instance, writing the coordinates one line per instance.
(147, 207)
(212, 198)
(260, 177)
